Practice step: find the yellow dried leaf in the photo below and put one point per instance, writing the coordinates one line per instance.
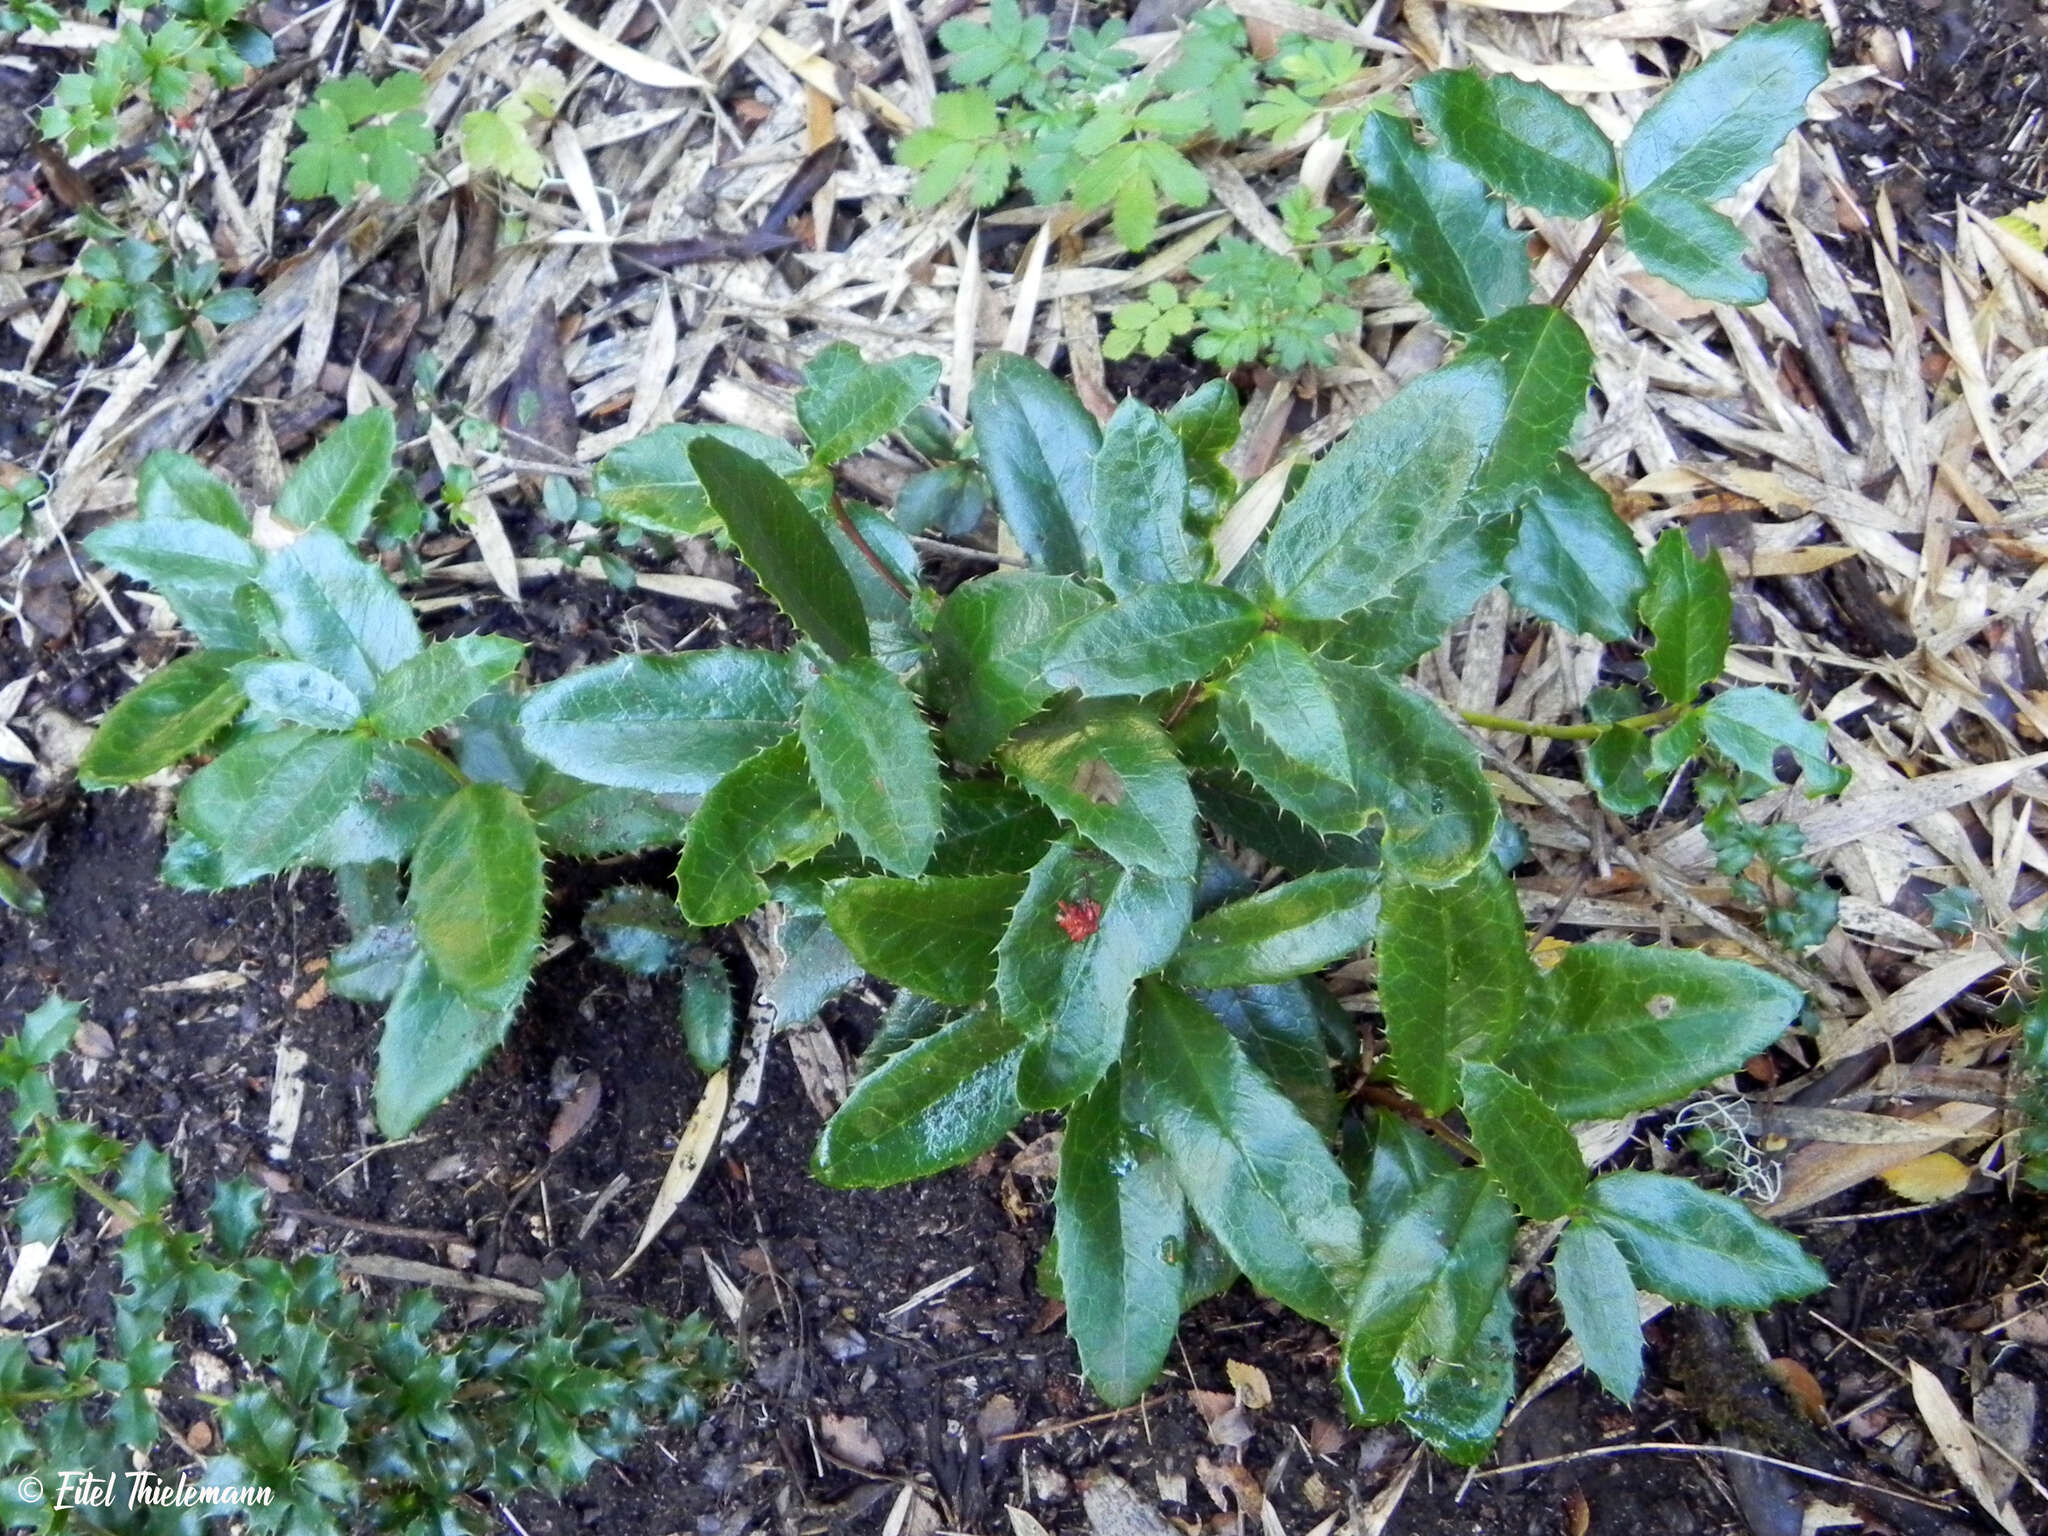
(1253, 1390)
(1926, 1180)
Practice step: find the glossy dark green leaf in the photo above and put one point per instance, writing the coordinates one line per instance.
(876, 768)
(1454, 972)
(1526, 140)
(763, 813)
(1457, 1405)
(785, 546)
(1750, 726)
(298, 693)
(589, 821)
(433, 1039)
(425, 692)
(637, 929)
(1575, 563)
(1140, 497)
(949, 500)
(178, 485)
(929, 1107)
(1084, 930)
(1688, 608)
(848, 403)
(1619, 768)
(168, 717)
(1451, 238)
(1617, 1028)
(1416, 773)
(1548, 367)
(1121, 1226)
(1721, 123)
(1155, 638)
(1598, 1295)
(705, 1012)
(1527, 1149)
(195, 565)
(265, 801)
(401, 795)
(989, 827)
(1683, 241)
(1694, 1246)
(986, 649)
(338, 484)
(1037, 445)
(1281, 723)
(1281, 933)
(1393, 633)
(1257, 1174)
(1109, 771)
(650, 482)
(1428, 1287)
(476, 889)
(936, 936)
(671, 724)
(1239, 810)
(19, 892)
(1290, 1030)
(338, 611)
(1376, 510)
(1206, 423)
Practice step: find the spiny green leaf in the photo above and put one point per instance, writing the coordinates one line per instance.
(877, 771)
(1594, 1288)
(991, 828)
(1457, 1406)
(1081, 934)
(338, 611)
(671, 724)
(401, 794)
(1140, 497)
(178, 485)
(785, 545)
(1721, 122)
(1290, 1030)
(476, 889)
(931, 1106)
(1257, 1174)
(936, 936)
(425, 692)
(195, 565)
(1453, 976)
(1282, 726)
(1451, 239)
(1688, 608)
(1428, 1287)
(1037, 444)
(1749, 726)
(1698, 1247)
(986, 650)
(705, 1012)
(1155, 638)
(433, 1039)
(650, 482)
(1121, 1227)
(266, 800)
(1683, 241)
(166, 719)
(1528, 1150)
(299, 693)
(1282, 933)
(1617, 1028)
(1109, 771)
(1575, 563)
(1619, 767)
(338, 484)
(1548, 367)
(1376, 510)
(848, 403)
(1524, 138)
(763, 813)
(637, 929)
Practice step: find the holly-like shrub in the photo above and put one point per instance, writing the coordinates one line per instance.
(1031, 802)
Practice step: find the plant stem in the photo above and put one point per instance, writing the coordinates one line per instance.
(1568, 732)
(1415, 1114)
(1179, 712)
(113, 1203)
(853, 534)
(1608, 221)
